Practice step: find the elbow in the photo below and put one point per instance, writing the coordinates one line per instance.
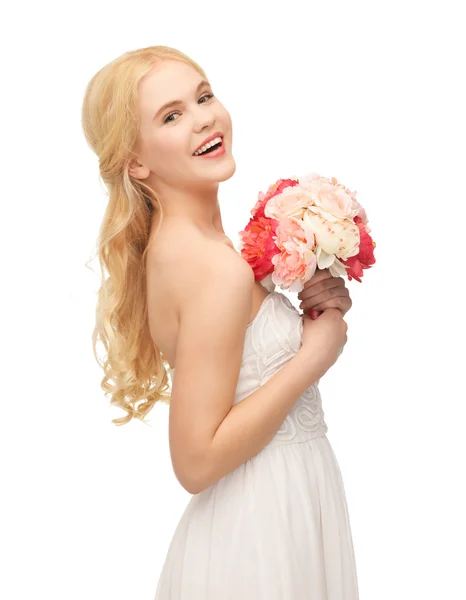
(194, 488)
(194, 479)
(193, 485)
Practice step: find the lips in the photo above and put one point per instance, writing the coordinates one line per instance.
(209, 139)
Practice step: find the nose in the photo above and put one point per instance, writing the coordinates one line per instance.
(204, 119)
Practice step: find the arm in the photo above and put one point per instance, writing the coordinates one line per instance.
(251, 424)
(209, 436)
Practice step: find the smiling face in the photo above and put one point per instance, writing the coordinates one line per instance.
(170, 135)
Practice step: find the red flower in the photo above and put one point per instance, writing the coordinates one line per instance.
(365, 258)
(258, 245)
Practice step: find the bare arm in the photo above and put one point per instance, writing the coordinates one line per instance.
(252, 423)
(209, 436)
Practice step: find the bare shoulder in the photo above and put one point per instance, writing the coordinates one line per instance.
(214, 288)
(184, 257)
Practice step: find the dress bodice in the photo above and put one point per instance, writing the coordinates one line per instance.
(272, 338)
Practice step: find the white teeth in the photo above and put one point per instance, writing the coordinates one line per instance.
(208, 145)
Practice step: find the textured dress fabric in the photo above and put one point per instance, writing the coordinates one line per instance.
(276, 527)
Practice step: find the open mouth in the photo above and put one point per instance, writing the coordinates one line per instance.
(211, 149)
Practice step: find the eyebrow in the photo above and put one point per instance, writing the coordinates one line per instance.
(178, 102)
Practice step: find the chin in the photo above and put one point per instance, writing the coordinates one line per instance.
(223, 172)
(230, 170)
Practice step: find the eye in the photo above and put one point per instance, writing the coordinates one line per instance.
(167, 118)
(209, 96)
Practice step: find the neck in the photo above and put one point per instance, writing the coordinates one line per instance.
(199, 207)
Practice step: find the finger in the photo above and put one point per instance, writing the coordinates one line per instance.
(324, 298)
(323, 290)
(342, 303)
(315, 286)
(315, 314)
(319, 275)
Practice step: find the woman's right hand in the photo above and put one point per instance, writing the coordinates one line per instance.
(324, 338)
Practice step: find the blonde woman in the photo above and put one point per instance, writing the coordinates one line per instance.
(268, 517)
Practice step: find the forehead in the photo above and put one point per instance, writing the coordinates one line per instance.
(170, 80)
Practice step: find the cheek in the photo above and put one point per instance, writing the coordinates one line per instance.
(168, 147)
(225, 118)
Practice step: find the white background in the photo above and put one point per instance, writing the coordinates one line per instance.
(369, 92)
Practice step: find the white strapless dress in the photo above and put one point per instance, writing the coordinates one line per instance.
(276, 527)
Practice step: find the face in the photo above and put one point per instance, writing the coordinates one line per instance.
(169, 136)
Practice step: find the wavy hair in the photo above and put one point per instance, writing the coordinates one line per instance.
(135, 375)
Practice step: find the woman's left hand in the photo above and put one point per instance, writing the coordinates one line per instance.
(323, 291)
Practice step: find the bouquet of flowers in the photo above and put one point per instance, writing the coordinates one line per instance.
(304, 224)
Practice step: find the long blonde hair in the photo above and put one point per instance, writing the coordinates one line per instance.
(135, 376)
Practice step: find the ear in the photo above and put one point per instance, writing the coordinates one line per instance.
(138, 170)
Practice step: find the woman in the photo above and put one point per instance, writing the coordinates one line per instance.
(268, 518)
